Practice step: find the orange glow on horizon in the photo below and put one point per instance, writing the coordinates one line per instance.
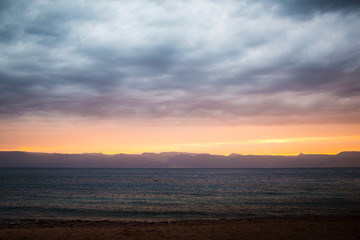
(112, 138)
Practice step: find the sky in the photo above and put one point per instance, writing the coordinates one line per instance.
(222, 77)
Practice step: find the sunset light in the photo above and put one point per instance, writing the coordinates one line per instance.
(187, 76)
(179, 119)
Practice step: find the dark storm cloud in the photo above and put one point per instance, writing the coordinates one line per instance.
(306, 7)
(201, 59)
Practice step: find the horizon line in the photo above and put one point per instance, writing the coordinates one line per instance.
(180, 152)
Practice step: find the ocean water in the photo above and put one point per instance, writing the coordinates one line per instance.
(176, 194)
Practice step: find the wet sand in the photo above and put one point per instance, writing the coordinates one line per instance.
(259, 228)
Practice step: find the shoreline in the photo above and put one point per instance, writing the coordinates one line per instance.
(314, 227)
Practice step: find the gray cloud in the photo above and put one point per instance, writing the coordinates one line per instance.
(303, 9)
(318, 6)
(230, 61)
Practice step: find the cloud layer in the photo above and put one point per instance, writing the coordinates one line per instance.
(237, 61)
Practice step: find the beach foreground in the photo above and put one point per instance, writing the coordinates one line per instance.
(258, 228)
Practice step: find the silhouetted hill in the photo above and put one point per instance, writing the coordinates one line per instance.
(176, 160)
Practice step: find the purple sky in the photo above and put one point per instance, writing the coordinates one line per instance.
(181, 59)
(199, 76)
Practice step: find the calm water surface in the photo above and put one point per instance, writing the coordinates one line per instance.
(176, 194)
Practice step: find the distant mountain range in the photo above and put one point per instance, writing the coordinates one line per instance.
(176, 160)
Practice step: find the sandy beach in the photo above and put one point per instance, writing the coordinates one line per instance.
(258, 228)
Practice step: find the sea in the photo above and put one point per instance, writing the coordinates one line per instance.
(156, 195)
